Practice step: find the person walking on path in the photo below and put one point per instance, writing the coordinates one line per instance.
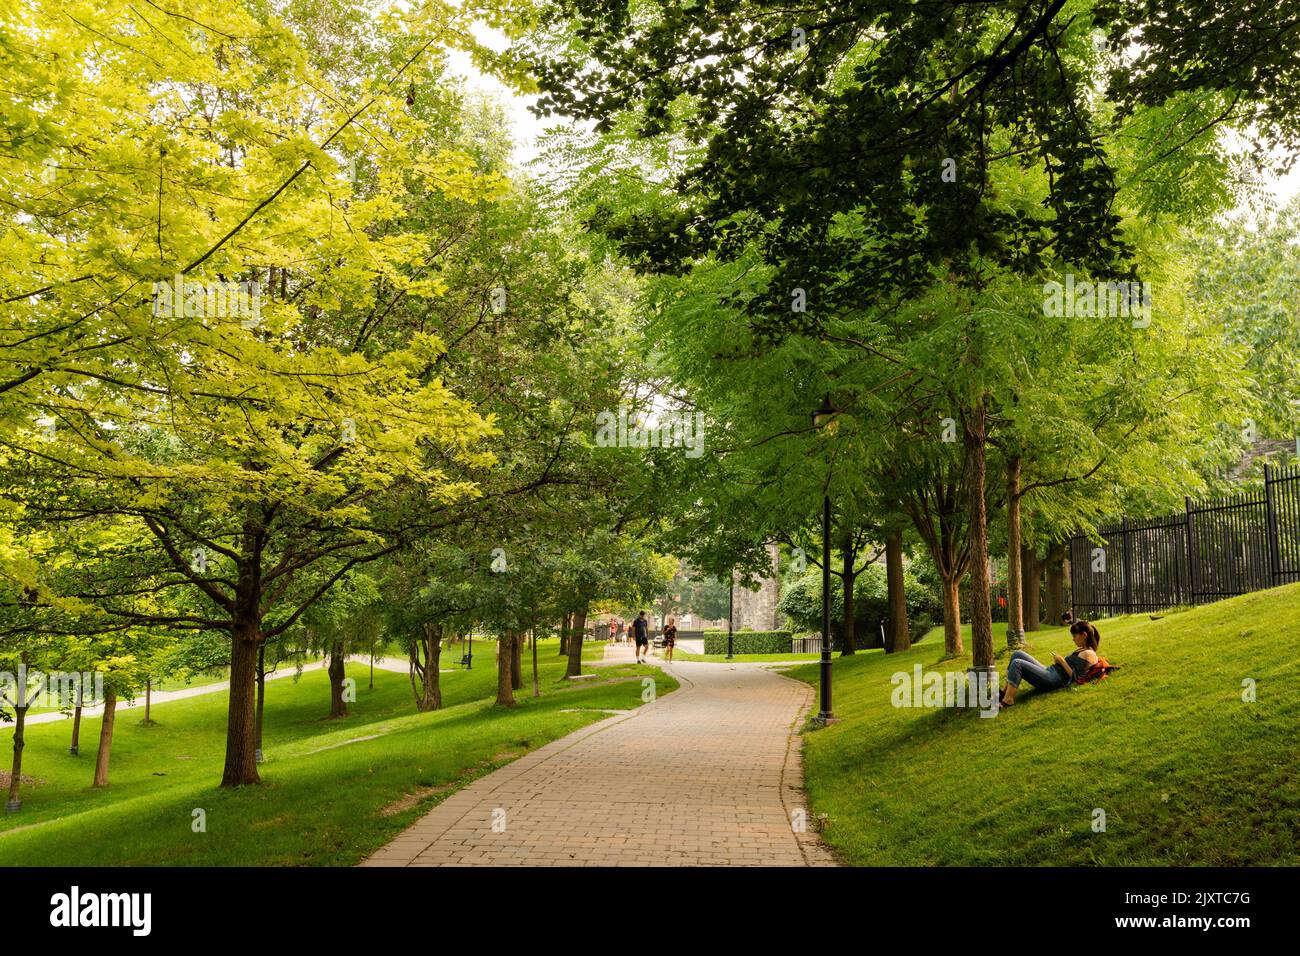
(642, 628)
(670, 638)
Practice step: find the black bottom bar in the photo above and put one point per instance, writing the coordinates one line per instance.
(1218, 904)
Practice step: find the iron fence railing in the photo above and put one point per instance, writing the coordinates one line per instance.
(1211, 550)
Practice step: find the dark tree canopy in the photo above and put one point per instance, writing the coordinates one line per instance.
(820, 135)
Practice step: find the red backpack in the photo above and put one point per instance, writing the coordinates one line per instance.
(1097, 671)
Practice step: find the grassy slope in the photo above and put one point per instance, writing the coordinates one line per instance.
(1186, 772)
(201, 679)
(314, 807)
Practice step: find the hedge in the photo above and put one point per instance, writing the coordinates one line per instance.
(749, 642)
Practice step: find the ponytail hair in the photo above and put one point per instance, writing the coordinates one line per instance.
(1089, 632)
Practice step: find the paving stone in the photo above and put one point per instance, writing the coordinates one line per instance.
(709, 775)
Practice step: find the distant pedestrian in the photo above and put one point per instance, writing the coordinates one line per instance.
(641, 627)
(670, 638)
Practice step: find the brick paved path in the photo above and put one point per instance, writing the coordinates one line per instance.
(705, 775)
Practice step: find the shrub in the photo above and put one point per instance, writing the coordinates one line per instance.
(748, 642)
(801, 603)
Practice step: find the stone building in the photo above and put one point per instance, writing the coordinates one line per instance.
(1276, 450)
(757, 609)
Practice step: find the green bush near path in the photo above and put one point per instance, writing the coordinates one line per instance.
(680, 655)
(749, 642)
(1185, 770)
(333, 791)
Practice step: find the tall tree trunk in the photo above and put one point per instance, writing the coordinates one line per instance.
(261, 701)
(241, 716)
(897, 635)
(942, 524)
(575, 643)
(975, 426)
(16, 768)
(1031, 586)
(105, 738)
(1055, 590)
(849, 641)
(75, 747)
(432, 681)
(425, 653)
(417, 660)
(537, 687)
(337, 670)
(505, 663)
(148, 702)
(565, 627)
(952, 642)
(1015, 601)
(517, 661)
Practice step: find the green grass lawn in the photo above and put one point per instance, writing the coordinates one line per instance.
(328, 793)
(934, 636)
(1186, 772)
(217, 675)
(200, 679)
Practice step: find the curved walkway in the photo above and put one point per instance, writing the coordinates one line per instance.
(707, 775)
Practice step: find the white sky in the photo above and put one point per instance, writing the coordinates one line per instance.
(525, 127)
(1288, 186)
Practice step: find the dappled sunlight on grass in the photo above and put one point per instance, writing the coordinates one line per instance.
(1185, 771)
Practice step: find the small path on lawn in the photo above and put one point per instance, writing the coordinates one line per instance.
(707, 775)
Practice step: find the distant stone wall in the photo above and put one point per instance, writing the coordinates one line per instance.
(757, 609)
(1279, 448)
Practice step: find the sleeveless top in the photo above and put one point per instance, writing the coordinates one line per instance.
(1078, 666)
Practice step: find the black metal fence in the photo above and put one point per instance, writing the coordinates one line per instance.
(1212, 550)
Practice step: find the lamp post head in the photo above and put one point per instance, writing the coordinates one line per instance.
(825, 414)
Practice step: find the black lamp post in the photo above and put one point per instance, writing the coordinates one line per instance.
(820, 418)
(731, 603)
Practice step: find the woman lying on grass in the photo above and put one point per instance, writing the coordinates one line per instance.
(1064, 670)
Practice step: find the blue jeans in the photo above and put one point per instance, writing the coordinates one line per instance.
(1038, 676)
